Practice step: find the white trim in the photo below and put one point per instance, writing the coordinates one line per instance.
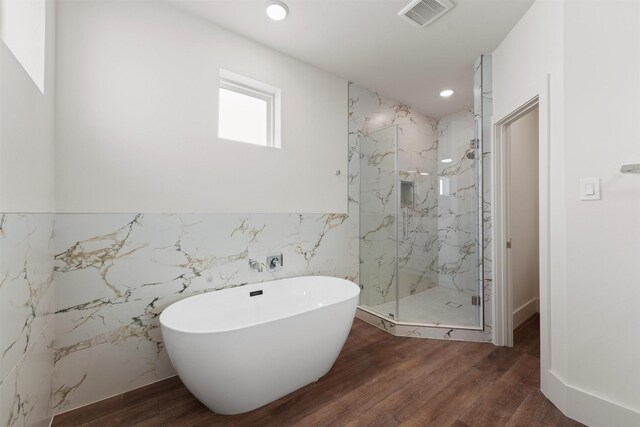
(587, 408)
(256, 89)
(525, 311)
(581, 405)
(539, 96)
(544, 235)
(503, 305)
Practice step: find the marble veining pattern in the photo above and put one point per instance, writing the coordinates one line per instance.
(483, 111)
(376, 126)
(115, 273)
(26, 318)
(457, 210)
(450, 256)
(417, 220)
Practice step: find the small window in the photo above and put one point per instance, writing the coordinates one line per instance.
(249, 111)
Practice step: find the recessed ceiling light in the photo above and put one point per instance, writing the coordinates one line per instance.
(424, 173)
(277, 10)
(446, 160)
(446, 93)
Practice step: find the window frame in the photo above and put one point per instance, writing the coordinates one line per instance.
(246, 86)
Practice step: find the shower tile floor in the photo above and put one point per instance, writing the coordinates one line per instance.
(435, 306)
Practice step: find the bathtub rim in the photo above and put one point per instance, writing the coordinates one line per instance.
(232, 329)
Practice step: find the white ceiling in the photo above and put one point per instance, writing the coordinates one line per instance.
(364, 41)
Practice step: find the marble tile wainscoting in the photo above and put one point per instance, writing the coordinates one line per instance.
(115, 273)
(26, 319)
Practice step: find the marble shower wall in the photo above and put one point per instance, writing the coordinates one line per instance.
(27, 321)
(456, 262)
(458, 208)
(418, 219)
(377, 207)
(115, 273)
(376, 125)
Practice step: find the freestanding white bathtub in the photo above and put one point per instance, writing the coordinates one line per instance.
(241, 348)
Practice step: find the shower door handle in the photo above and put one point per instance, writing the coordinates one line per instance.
(405, 223)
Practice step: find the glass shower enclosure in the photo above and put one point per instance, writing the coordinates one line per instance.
(421, 223)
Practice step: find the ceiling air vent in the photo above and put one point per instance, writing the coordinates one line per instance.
(424, 12)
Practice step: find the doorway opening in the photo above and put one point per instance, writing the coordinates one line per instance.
(520, 183)
(522, 208)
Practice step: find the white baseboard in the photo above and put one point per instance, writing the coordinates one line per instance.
(525, 311)
(588, 408)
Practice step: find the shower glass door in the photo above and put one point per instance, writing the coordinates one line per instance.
(421, 213)
(378, 221)
(439, 262)
(420, 216)
(418, 243)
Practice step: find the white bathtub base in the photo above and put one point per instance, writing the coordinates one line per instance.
(237, 371)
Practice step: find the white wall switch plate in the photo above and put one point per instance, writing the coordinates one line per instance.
(590, 189)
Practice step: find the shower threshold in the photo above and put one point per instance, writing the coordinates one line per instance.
(436, 307)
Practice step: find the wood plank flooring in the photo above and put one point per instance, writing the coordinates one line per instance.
(378, 380)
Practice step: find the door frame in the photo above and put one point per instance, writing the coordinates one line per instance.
(503, 303)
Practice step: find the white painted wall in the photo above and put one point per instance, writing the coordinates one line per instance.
(22, 29)
(602, 89)
(591, 50)
(531, 52)
(26, 119)
(523, 199)
(137, 113)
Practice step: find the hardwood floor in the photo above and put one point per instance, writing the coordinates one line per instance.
(378, 380)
